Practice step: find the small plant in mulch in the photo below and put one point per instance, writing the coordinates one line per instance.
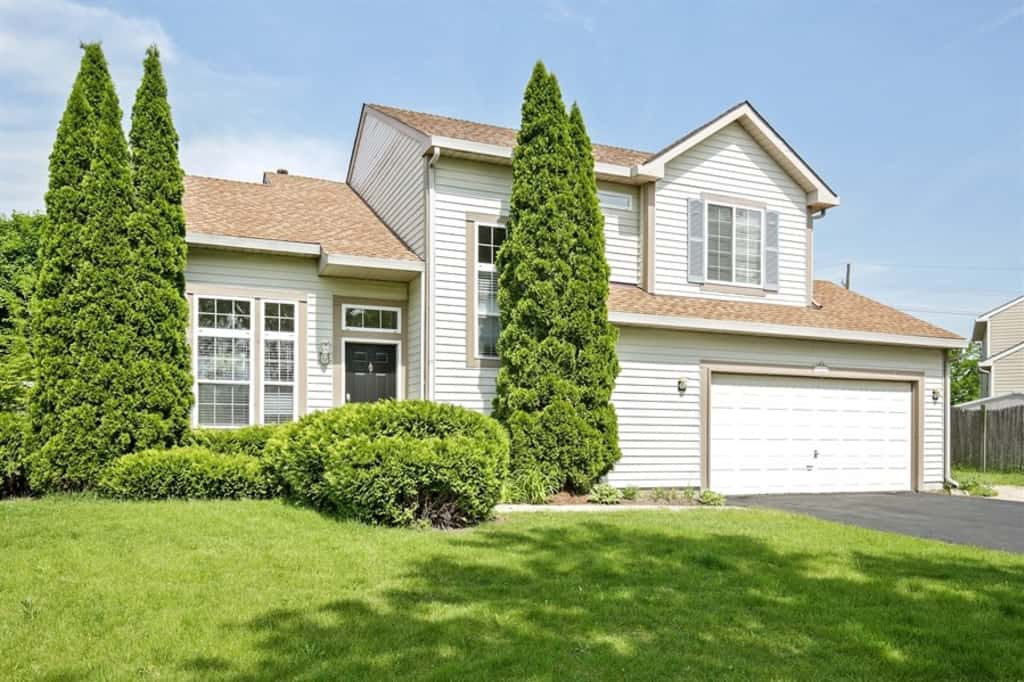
(602, 493)
(710, 498)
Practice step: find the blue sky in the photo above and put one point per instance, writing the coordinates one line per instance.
(912, 111)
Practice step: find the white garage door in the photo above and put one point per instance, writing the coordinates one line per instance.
(792, 434)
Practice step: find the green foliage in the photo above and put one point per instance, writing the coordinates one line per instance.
(13, 475)
(976, 487)
(527, 486)
(248, 440)
(602, 493)
(393, 463)
(107, 313)
(157, 229)
(189, 472)
(630, 493)
(556, 345)
(711, 498)
(19, 242)
(964, 378)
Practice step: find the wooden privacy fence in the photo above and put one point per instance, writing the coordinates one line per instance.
(988, 439)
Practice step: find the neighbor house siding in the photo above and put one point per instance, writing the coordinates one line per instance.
(387, 172)
(263, 275)
(1005, 329)
(1008, 374)
(659, 429)
(731, 164)
(470, 188)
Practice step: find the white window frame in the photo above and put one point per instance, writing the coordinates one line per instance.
(198, 331)
(292, 336)
(348, 306)
(481, 267)
(608, 198)
(707, 243)
(399, 368)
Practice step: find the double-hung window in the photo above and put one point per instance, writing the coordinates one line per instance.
(735, 239)
(279, 342)
(223, 361)
(489, 238)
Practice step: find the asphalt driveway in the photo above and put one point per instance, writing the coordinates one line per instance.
(997, 524)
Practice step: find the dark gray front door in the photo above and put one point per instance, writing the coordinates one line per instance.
(370, 372)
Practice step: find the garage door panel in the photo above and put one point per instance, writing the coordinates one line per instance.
(765, 431)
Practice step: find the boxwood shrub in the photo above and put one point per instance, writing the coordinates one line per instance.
(394, 463)
(249, 440)
(189, 472)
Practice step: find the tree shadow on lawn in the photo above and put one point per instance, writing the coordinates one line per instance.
(608, 602)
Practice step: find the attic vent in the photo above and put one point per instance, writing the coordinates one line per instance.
(282, 171)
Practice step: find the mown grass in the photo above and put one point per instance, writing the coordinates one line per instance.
(92, 589)
(989, 477)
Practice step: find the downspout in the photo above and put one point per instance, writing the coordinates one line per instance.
(952, 483)
(811, 217)
(427, 365)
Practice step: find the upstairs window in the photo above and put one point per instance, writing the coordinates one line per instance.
(489, 239)
(615, 200)
(735, 238)
(223, 361)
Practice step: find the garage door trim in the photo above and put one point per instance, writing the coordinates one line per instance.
(915, 379)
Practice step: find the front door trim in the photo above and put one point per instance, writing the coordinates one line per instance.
(915, 379)
(399, 367)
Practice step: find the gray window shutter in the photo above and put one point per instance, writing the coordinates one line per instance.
(695, 242)
(771, 251)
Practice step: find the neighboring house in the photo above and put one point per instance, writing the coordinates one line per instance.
(1001, 334)
(740, 372)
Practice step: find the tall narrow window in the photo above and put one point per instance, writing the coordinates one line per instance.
(223, 361)
(278, 362)
(488, 240)
(734, 245)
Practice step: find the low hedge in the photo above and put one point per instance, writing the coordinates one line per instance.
(188, 472)
(248, 440)
(394, 463)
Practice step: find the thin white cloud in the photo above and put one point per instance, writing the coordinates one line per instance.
(562, 11)
(239, 157)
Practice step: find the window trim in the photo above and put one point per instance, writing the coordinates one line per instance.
(732, 205)
(344, 317)
(479, 267)
(601, 193)
(252, 337)
(292, 336)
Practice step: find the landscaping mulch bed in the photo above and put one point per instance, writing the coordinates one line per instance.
(645, 498)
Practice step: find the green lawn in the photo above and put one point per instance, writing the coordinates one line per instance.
(990, 477)
(259, 590)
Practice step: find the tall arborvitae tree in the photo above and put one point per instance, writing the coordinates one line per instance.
(84, 312)
(158, 231)
(550, 374)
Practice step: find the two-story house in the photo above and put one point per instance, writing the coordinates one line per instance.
(1001, 334)
(740, 372)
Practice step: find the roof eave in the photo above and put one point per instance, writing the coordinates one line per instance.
(779, 330)
(277, 247)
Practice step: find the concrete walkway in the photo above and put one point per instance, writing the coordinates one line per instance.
(1010, 493)
(590, 508)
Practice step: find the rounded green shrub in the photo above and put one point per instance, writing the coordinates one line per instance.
(187, 472)
(393, 463)
(248, 440)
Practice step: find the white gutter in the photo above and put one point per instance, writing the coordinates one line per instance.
(272, 246)
(427, 331)
(370, 262)
(781, 330)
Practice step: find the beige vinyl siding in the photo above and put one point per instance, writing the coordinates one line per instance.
(659, 430)
(622, 235)
(1005, 329)
(262, 275)
(1008, 374)
(413, 349)
(387, 172)
(730, 164)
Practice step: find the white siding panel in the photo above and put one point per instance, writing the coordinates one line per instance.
(387, 172)
(731, 164)
(256, 273)
(659, 430)
(413, 350)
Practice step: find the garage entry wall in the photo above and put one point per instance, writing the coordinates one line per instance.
(660, 430)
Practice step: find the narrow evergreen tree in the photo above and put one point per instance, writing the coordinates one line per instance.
(84, 309)
(158, 232)
(551, 372)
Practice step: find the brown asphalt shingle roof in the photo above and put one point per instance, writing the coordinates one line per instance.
(291, 208)
(840, 309)
(432, 124)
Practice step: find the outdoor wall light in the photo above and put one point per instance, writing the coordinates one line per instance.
(681, 386)
(935, 395)
(323, 353)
